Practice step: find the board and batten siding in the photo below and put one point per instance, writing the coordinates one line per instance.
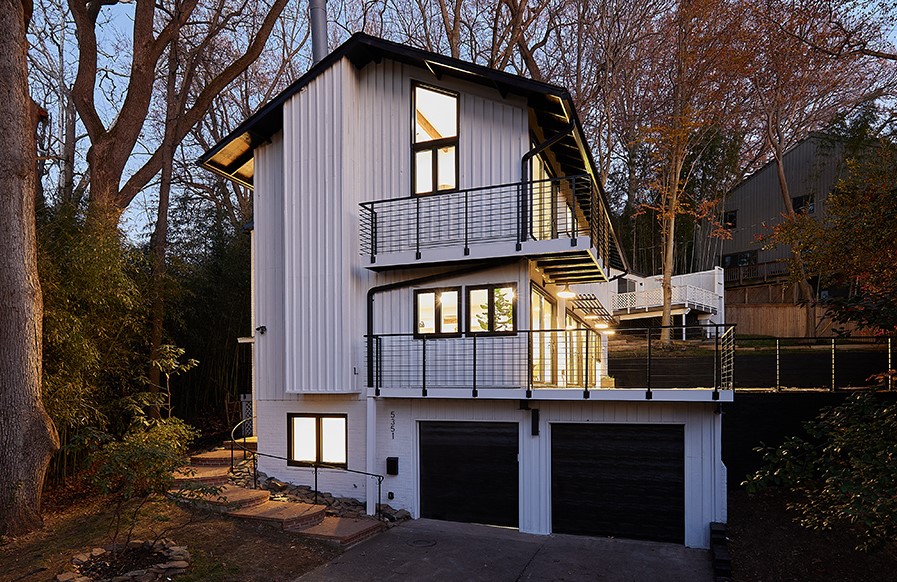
(267, 260)
(705, 479)
(811, 167)
(347, 139)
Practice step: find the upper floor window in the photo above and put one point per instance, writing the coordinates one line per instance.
(730, 219)
(804, 204)
(492, 309)
(435, 148)
(436, 311)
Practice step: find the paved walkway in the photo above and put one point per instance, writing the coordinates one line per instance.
(428, 550)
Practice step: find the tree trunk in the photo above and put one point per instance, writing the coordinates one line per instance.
(27, 436)
(806, 290)
(159, 240)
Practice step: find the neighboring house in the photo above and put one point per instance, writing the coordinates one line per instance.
(443, 210)
(760, 297)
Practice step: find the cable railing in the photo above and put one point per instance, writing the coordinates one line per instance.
(532, 360)
(567, 207)
(254, 455)
(820, 363)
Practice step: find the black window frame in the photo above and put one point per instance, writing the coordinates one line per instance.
(434, 145)
(730, 219)
(318, 440)
(438, 312)
(491, 309)
(805, 204)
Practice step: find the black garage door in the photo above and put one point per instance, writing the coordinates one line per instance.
(468, 472)
(619, 480)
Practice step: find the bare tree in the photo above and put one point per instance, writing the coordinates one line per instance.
(27, 436)
(113, 145)
(796, 90)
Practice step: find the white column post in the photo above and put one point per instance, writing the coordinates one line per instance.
(371, 451)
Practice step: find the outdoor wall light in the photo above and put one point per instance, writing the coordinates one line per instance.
(601, 325)
(608, 332)
(566, 293)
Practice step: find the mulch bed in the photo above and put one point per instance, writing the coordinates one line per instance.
(767, 545)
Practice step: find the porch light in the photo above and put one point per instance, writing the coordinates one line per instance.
(601, 325)
(566, 293)
(608, 332)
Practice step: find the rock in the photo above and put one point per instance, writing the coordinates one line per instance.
(146, 577)
(135, 573)
(402, 514)
(121, 579)
(66, 577)
(276, 485)
(135, 544)
(180, 564)
(80, 558)
(82, 579)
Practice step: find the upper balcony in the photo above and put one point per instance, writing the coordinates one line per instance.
(560, 223)
(684, 298)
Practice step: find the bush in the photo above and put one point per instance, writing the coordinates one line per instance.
(844, 471)
(139, 465)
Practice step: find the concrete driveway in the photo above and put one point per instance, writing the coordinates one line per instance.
(444, 551)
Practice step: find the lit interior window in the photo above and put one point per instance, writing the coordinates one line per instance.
(504, 308)
(333, 440)
(305, 444)
(479, 310)
(436, 115)
(448, 301)
(426, 313)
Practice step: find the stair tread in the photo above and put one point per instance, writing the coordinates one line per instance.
(279, 510)
(342, 528)
(234, 494)
(188, 473)
(219, 457)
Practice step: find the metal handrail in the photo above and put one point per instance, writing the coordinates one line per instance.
(256, 454)
(524, 359)
(568, 208)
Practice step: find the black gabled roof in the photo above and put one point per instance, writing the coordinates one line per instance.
(232, 157)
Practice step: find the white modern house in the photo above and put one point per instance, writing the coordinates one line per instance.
(434, 271)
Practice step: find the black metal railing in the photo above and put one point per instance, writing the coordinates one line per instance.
(567, 207)
(828, 363)
(580, 359)
(254, 455)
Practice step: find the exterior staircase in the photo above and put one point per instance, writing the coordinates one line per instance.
(213, 469)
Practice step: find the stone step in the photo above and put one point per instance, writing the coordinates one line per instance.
(345, 531)
(231, 498)
(218, 458)
(202, 475)
(251, 443)
(290, 515)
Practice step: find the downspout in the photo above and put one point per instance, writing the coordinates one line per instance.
(410, 283)
(318, 17)
(524, 177)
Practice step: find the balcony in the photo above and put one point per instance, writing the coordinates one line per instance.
(556, 364)
(560, 223)
(650, 301)
(757, 273)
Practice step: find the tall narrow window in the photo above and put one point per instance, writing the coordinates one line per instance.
(544, 353)
(436, 311)
(435, 149)
(492, 309)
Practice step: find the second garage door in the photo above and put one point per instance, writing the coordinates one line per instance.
(623, 480)
(468, 472)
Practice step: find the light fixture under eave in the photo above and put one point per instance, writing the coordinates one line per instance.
(608, 332)
(566, 293)
(601, 325)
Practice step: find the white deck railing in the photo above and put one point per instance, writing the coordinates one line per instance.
(689, 295)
